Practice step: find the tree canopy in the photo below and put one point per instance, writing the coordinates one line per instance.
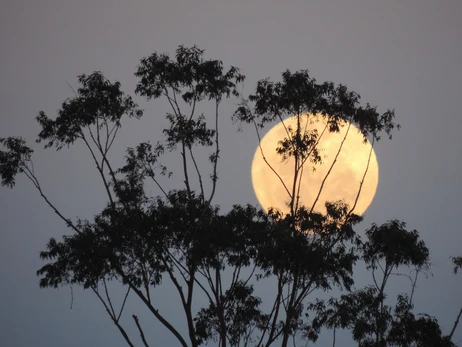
(140, 241)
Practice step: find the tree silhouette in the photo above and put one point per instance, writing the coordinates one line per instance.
(141, 241)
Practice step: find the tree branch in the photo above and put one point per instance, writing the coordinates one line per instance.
(199, 176)
(216, 155)
(364, 176)
(456, 323)
(108, 298)
(267, 163)
(331, 167)
(274, 315)
(123, 304)
(100, 169)
(36, 183)
(140, 330)
(154, 311)
(113, 318)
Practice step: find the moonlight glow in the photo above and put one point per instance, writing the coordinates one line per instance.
(343, 182)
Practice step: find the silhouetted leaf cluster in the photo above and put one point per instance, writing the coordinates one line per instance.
(190, 74)
(98, 102)
(298, 93)
(13, 160)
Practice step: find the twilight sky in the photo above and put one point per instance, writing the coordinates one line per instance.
(397, 54)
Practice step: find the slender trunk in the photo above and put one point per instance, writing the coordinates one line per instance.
(296, 166)
(379, 318)
(277, 305)
(185, 168)
(290, 312)
(220, 307)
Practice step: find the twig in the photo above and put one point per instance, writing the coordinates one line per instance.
(331, 167)
(414, 284)
(333, 343)
(99, 168)
(123, 303)
(267, 163)
(108, 298)
(199, 176)
(72, 298)
(456, 323)
(364, 176)
(36, 183)
(113, 318)
(140, 330)
(151, 308)
(216, 155)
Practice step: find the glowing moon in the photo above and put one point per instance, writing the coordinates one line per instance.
(342, 183)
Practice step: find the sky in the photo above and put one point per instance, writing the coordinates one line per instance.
(403, 55)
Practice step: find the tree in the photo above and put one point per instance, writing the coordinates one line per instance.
(181, 236)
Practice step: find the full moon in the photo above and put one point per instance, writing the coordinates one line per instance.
(342, 183)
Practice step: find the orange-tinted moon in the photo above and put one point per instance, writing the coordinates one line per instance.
(342, 183)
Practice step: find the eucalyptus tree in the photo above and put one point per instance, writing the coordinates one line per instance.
(372, 317)
(329, 248)
(140, 241)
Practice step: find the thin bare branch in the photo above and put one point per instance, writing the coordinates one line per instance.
(98, 134)
(297, 167)
(235, 277)
(107, 136)
(381, 267)
(171, 102)
(331, 167)
(73, 90)
(99, 168)
(123, 304)
(333, 342)
(456, 323)
(375, 280)
(273, 316)
(306, 158)
(297, 196)
(414, 285)
(116, 127)
(176, 103)
(72, 297)
(216, 154)
(36, 183)
(364, 176)
(108, 298)
(151, 308)
(267, 163)
(185, 168)
(150, 173)
(199, 176)
(113, 318)
(251, 275)
(193, 107)
(285, 127)
(181, 268)
(140, 330)
(303, 293)
(93, 137)
(174, 280)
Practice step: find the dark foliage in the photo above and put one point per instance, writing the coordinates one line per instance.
(298, 93)
(98, 102)
(141, 241)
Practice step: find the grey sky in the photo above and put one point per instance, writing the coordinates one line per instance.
(397, 54)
